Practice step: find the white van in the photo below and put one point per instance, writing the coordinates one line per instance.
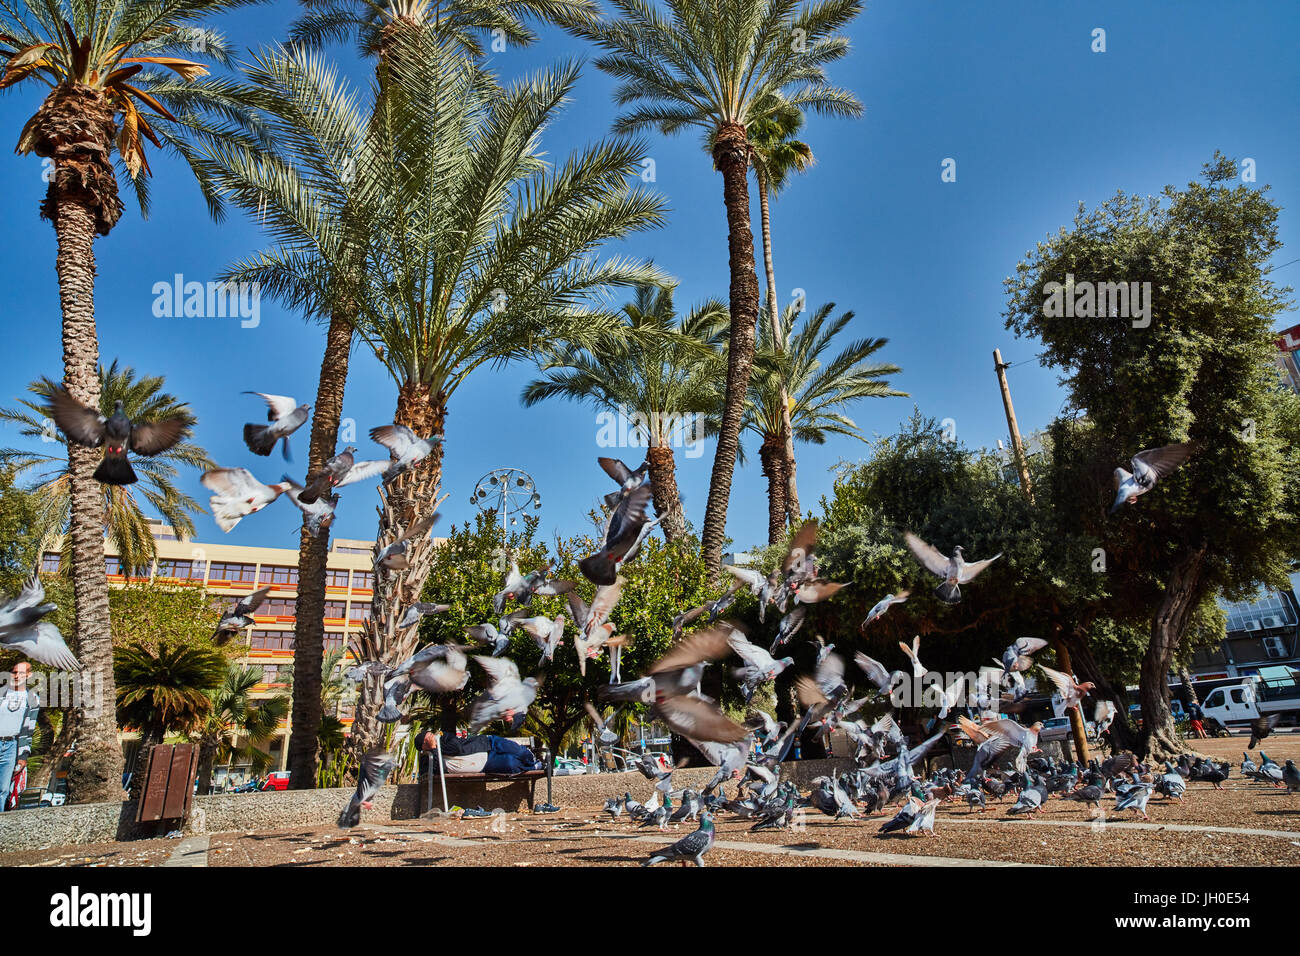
(1275, 690)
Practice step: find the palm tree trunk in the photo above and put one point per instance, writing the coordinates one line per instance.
(772, 455)
(663, 480)
(778, 343)
(95, 770)
(313, 555)
(731, 157)
(207, 757)
(405, 500)
(1159, 740)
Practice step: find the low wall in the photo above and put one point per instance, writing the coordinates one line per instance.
(238, 812)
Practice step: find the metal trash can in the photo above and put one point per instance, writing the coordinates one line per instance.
(168, 783)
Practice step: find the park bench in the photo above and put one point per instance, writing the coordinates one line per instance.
(435, 776)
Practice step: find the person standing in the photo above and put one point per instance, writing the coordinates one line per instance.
(18, 709)
(1197, 715)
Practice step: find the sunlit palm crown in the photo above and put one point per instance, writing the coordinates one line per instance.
(821, 381)
(658, 363)
(710, 63)
(126, 523)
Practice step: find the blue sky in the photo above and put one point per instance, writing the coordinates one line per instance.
(1012, 91)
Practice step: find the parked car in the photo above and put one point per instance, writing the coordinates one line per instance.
(1057, 728)
(279, 780)
(567, 766)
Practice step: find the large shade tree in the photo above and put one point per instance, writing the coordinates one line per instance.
(715, 66)
(114, 74)
(661, 370)
(1196, 364)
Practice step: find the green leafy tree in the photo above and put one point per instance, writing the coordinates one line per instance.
(1195, 365)
(716, 68)
(237, 722)
(662, 367)
(128, 526)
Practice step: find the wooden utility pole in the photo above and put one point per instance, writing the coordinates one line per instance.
(1022, 467)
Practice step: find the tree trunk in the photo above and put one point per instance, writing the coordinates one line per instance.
(731, 157)
(772, 455)
(207, 757)
(663, 481)
(778, 343)
(313, 555)
(1159, 740)
(95, 769)
(1186, 677)
(407, 499)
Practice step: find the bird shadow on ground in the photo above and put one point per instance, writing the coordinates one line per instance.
(1278, 813)
(425, 860)
(803, 846)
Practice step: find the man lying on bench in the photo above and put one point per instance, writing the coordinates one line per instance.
(483, 753)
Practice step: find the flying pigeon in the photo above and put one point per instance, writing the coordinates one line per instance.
(375, 768)
(545, 632)
(238, 494)
(905, 816)
(759, 667)
(1017, 656)
(317, 515)
(923, 822)
(342, 469)
(691, 847)
(240, 616)
(627, 479)
(1261, 728)
(625, 529)
(954, 571)
(117, 433)
(1148, 467)
(760, 586)
(22, 630)
(883, 605)
(404, 448)
(811, 592)
(285, 416)
(393, 557)
(790, 625)
(436, 668)
(521, 588)
(418, 610)
(1072, 694)
(507, 698)
(488, 635)
(918, 669)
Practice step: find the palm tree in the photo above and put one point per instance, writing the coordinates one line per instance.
(718, 65)
(820, 386)
(93, 59)
(125, 521)
(776, 154)
(663, 368)
(234, 716)
(164, 688)
(483, 253)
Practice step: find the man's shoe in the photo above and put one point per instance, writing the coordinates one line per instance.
(546, 808)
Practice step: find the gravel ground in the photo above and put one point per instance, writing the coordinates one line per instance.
(585, 837)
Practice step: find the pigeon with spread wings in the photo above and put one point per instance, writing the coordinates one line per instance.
(405, 448)
(22, 628)
(1148, 468)
(238, 494)
(375, 768)
(240, 616)
(285, 416)
(955, 571)
(507, 697)
(117, 433)
(342, 469)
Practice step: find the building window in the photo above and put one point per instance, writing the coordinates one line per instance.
(180, 570)
(344, 549)
(271, 640)
(334, 610)
(232, 572)
(364, 580)
(278, 607)
(334, 640)
(277, 574)
(336, 579)
(50, 561)
(112, 565)
(359, 612)
(271, 674)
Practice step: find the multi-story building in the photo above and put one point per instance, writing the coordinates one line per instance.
(1261, 632)
(229, 572)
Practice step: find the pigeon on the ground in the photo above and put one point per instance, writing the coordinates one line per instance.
(955, 571)
(22, 630)
(285, 416)
(405, 449)
(1135, 798)
(238, 494)
(923, 822)
(117, 433)
(507, 697)
(883, 605)
(342, 469)
(375, 768)
(690, 848)
(903, 819)
(240, 616)
(1148, 468)
(1291, 777)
